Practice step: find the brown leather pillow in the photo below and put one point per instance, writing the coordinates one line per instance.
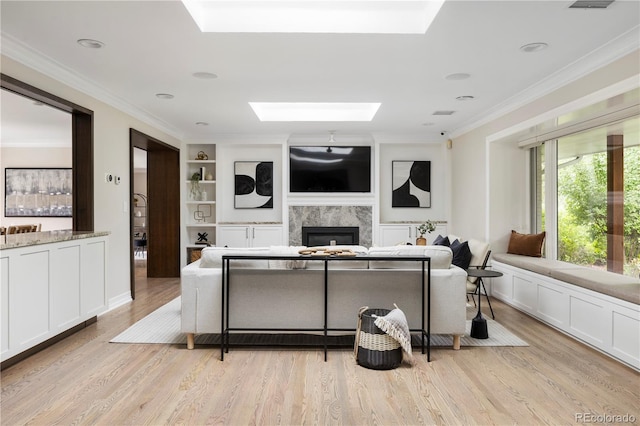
(526, 244)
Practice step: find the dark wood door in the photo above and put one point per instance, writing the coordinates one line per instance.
(163, 213)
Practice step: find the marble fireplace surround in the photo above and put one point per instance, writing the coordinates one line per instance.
(360, 216)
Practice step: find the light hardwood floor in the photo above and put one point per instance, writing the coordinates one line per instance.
(84, 379)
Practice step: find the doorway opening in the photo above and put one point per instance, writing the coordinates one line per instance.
(139, 213)
(155, 207)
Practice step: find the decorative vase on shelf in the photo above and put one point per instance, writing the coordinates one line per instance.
(195, 192)
(421, 241)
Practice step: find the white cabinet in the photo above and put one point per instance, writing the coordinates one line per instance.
(249, 235)
(50, 288)
(609, 324)
(199, 210)
(393, 234)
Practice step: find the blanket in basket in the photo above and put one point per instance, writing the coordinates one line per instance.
(395, 325)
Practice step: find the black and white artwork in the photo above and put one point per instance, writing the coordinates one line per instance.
(411, 181)
(32, 192)
(253, 185)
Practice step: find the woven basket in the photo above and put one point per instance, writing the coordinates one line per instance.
(374, 348)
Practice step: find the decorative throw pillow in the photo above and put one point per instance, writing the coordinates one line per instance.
(441, 241)
(526, 244)
(461, 254)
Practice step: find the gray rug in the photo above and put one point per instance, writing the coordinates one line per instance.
(163, 326)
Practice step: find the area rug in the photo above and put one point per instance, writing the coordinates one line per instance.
(163, 326)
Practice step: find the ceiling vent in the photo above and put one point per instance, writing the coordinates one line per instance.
(443, 112)
(591, 4)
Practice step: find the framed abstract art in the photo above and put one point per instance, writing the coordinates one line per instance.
(253, 185)
(411, 184)
(38, 192)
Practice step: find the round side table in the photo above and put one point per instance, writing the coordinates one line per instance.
(479, 324)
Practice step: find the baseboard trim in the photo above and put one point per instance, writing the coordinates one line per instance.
(40, 346)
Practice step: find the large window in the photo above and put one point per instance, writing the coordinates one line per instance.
(590, 203)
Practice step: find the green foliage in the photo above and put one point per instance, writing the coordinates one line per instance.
(582, 205)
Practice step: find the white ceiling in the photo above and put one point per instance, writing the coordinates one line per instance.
(155, 47)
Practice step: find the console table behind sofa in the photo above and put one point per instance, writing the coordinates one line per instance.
(423, 276)
(598, 308)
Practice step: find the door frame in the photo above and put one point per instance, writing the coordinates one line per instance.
(163, 207)
(81, 148)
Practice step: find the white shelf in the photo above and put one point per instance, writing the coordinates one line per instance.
(201, 161)
(191, 228)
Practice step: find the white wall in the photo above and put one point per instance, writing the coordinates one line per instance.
(111, 154)
(490, 181)
(35, 157)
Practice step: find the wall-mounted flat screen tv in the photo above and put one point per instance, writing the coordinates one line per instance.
(330, 169)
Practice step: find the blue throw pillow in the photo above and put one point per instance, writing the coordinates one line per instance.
(441, 241)
(461, 254)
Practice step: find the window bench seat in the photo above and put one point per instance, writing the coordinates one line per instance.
(599, 308)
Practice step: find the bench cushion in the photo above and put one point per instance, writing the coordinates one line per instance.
(609, 283)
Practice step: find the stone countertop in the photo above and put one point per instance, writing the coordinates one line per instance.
(47, 237)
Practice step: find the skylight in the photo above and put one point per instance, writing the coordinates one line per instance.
(314, 16)
(315, 111)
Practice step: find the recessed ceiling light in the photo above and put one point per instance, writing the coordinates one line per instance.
(315, 111)
(443, 112)
(534, 47)
(205, 75)
(164, 96)
(314, 16)
(201, 123)
(465, 98)
(458, 76)
(38, 103)
(90, 43)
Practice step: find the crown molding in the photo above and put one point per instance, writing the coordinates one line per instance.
(18, 51)
(602, 56)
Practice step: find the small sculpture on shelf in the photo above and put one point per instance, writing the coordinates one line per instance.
(202, 238)
(202, 156)
(424, 228)
(202, 213)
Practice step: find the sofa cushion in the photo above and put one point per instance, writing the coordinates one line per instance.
(461, 254)
(441, 257)
(526, 244)
(212, 257)
(286, 263)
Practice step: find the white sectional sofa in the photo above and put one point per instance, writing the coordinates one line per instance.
(290, 294)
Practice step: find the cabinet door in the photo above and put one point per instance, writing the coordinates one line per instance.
(233, 236)
(265, 236)
(390, 235)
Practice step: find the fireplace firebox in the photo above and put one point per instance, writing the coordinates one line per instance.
(328, 235)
